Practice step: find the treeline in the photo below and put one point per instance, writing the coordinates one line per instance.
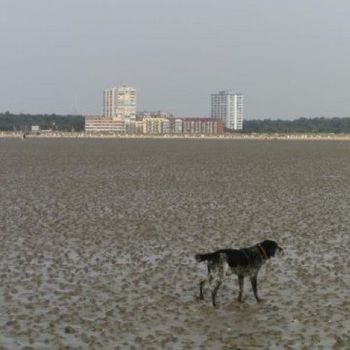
(24, 122)
(301, 125)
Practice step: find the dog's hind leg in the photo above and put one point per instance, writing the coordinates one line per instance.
(214, 291)
(254, 282)
(204, 282)
(201, 286)
(241, 287)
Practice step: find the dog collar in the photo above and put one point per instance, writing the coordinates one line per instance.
(262, 250)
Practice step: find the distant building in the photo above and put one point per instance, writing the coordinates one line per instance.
(110, 102)
(228, 107)
(153, 114)
(126, 102)
(133, 126)
(139, 126)
(102, 124)
(119, 102)
(166, 126)
(203, 126)
(155, 126)
(130, 126)
(178, 126)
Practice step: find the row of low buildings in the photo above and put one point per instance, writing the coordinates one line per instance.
(119, 116)
(154, 125)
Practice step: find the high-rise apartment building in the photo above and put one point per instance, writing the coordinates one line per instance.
(126, 102)
(228, 106)
(119, 102)
(110, 102)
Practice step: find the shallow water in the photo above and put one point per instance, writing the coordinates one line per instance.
(98, 239)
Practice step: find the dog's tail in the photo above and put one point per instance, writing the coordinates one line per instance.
(203, 257)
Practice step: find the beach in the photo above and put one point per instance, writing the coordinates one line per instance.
(225, 136)
(98, 237)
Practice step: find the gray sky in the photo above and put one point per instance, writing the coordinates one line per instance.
(288, 58)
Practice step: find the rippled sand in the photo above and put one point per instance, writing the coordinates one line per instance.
(98, 238)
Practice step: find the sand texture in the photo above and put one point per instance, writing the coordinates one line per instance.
(98, 240)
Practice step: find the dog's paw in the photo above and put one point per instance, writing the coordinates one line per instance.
(242, 298)
(199, 297)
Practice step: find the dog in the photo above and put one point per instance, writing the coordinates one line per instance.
(244, 262)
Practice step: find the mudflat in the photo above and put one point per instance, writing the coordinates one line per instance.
(98, 239)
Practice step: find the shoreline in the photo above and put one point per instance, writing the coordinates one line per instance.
(270, 137)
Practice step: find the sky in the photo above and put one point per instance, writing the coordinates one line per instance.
(289, 59)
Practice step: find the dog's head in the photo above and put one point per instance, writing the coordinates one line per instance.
(271, 248)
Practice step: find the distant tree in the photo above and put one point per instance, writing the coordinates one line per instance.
(301, 125)
(12, 122)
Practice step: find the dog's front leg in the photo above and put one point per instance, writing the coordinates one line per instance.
(214, 291)
(254, 282)
(241, 287)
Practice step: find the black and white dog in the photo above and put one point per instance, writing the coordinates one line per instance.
(242, 262)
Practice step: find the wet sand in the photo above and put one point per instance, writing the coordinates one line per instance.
(98, 239)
